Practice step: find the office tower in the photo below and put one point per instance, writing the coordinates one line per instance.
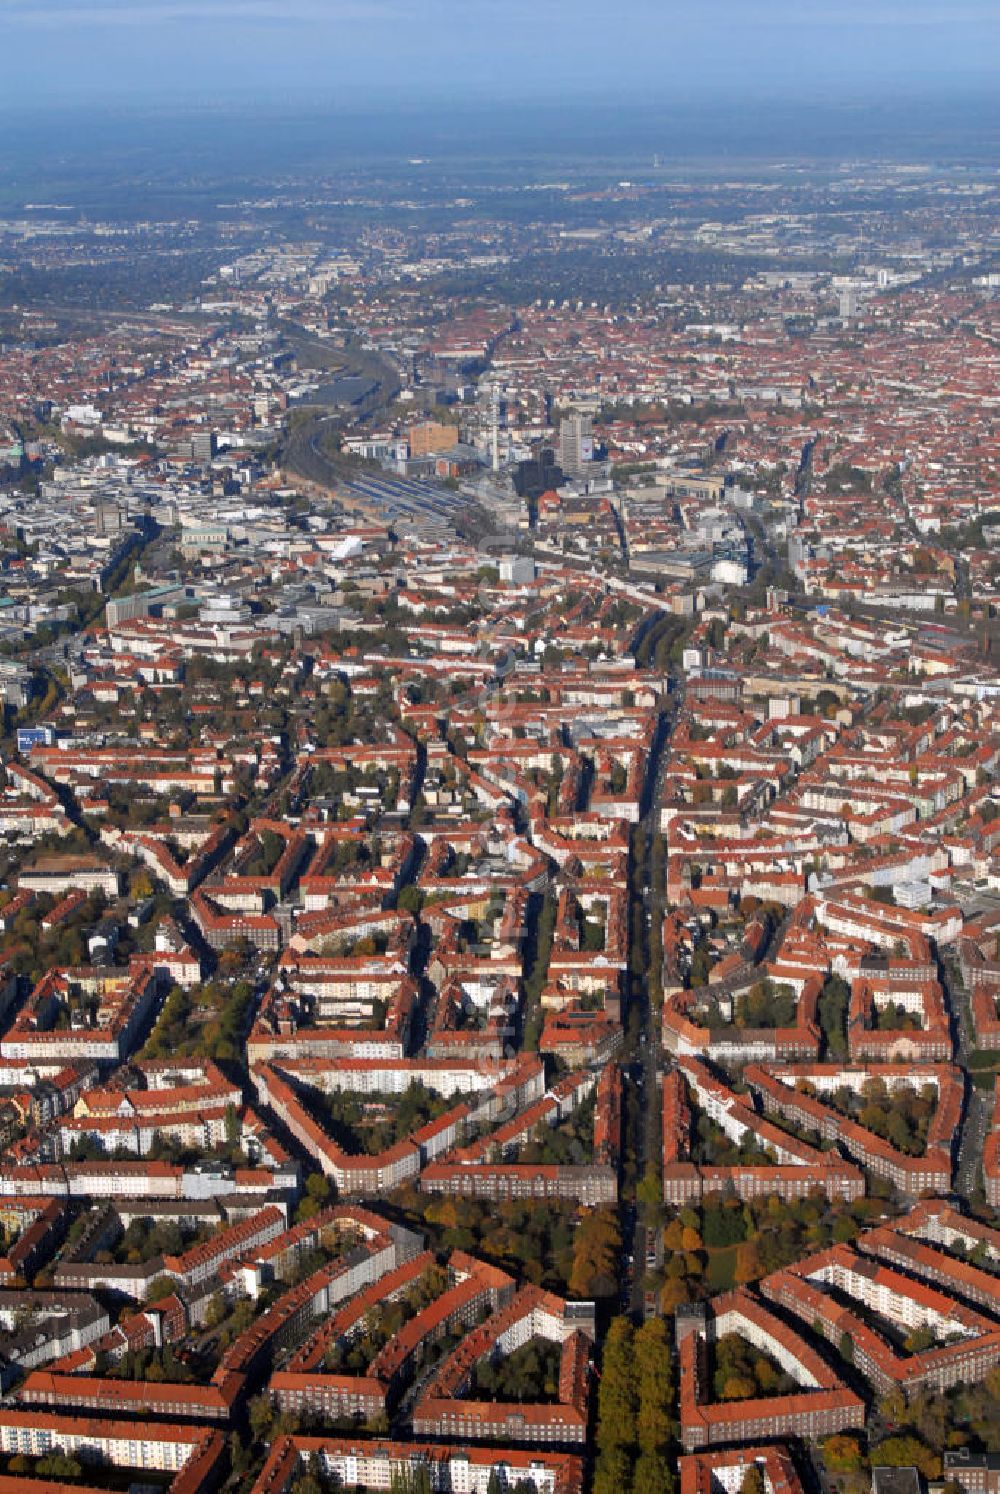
(576, 445)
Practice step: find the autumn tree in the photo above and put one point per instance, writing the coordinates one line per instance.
(747, 1266)
(842, 1453)
(595, 1255)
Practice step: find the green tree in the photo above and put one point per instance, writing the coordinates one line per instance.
(261, 1418)
(617, 1400)
(649, 1189)
(906, 1451)
(233, 1125)
(307, 1483)
(410, 899)
(216, 1312)
(160, 1287)
(58, 1465)
(613, 1473)
(653, 1475)
(655, 1386)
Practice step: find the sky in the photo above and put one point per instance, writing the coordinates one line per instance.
(374, 54)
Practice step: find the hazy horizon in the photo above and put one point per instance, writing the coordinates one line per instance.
(257, 140)
(374, 54)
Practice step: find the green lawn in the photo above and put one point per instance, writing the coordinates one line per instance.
(720, 1268)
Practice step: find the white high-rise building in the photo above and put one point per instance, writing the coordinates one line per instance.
(576, 445)
(848, 302)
